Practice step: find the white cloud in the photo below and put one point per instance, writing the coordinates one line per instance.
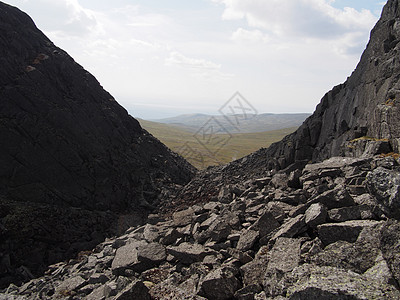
(198, 67)
(307, 18)
(255, 36)
(63, 16)
(299, 20)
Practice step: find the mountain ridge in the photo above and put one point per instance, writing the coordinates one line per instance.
(247, 124)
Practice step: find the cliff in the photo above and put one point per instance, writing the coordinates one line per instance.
(72, 159)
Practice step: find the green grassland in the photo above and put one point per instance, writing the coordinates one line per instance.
(213, 150)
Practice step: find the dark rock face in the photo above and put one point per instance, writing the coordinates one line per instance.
(66, 143)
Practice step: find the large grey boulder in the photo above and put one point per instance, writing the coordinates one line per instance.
(285, 255)
(390, 246)
(188, 253)
(253, 272)
(384, 184)
(291, 227)
(313, 282)
(247, 239)
(316, 215)
(219, 284)
(135, 290)
(344, 231)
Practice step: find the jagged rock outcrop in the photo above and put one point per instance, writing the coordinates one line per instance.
(72, 159)
(294, 248)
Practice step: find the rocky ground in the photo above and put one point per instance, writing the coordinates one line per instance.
(327, 231)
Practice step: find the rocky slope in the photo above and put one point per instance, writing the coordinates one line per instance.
(72, 159)
(329, 231)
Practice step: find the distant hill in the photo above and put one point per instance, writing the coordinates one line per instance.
(181, 140)
(238, 123)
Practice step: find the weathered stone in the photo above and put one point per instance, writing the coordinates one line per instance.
(247, 239)
(338, 197)
(171, 236)
(351, 213)
(285, 255)
(241, 256)
(357, 257)
(385, 185)
(315, 215)
(292, 227)
(152, 233)
(70, 285)
(151, 254)
(218, 231)
(313, 282)
(100, 293)
(279, 210)
(345, 231)
(167, 291)
(187, 253)
(253, 272)
(125, 257)
(248, 292)
(265, 224)
(380, 272)
(390, 246)
(279, 181)
(183, 217)
(135, 290)
(219, 284)
(98, 278)
(225, 195)
(294, 179)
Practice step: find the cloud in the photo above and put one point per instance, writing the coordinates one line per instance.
(66, 16)
(198, 67)
(300, 19)
(255, 36)
(307, 18)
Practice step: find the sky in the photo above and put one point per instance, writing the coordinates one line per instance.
(163, 58)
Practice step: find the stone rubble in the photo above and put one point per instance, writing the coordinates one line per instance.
(333, 243)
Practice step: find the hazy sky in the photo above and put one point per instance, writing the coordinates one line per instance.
(162, 58)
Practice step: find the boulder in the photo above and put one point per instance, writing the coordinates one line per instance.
(125, 257)
(135, 290)
(219, 284)
(253, 272)
(344, 231)
(291, 227)
(384, 184)
(152, 254)
(359, 212)
(356, 257)
(247, 239)
(285, 255)
(336, 198)
(265, 224)
(188, 253)
(315, 215)
(313, 282)
(390, 246)
(70, 285)
(183, 217)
